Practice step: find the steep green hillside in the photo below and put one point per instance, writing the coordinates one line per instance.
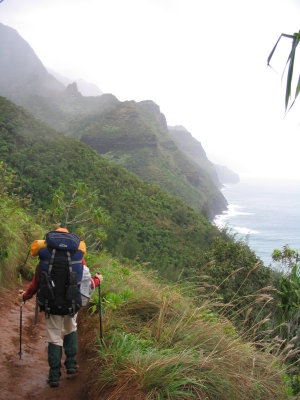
(158, 343)
(145, 221)
(194, 150)
(64, 110)
(135, 135)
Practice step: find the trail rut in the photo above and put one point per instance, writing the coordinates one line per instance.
(26, 379)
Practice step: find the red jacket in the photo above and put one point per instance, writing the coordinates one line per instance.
(32, 288)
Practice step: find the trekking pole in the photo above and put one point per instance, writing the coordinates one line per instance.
(100, 314)
(36, 310)
(21, 312)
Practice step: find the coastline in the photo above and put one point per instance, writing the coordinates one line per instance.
(264, 213)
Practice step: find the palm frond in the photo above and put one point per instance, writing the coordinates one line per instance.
(290, 64)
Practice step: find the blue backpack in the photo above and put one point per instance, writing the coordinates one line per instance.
(60, 274)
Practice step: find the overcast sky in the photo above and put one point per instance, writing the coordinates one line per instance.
(203, 62)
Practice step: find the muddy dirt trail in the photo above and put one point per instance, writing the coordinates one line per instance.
(26, 378)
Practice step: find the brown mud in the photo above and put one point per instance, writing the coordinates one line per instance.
(26, 378)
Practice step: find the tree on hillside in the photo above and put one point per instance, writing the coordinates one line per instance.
(290, 65)
(77, 210)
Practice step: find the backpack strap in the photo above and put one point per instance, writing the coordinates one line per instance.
(51, 262)
(72, 311)
(47, 308)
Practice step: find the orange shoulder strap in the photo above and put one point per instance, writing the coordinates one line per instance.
(36, 246)
(82, 247)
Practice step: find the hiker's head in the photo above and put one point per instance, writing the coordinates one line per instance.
(63, 230)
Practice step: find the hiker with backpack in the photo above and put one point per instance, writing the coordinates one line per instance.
(57, 282)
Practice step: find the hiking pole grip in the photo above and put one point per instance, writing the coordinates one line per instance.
(100, 313)
(21, 312)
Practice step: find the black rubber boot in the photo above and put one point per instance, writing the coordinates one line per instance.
(70, 347)
(54, 360)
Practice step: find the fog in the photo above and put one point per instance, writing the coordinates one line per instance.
(203, 62)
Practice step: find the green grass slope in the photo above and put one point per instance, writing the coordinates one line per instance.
(159, 344)
(145, 221)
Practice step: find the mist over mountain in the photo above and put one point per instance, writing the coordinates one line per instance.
(22, 73)
(85, 88)
(26, 81)
(226, 175)
(134, 135)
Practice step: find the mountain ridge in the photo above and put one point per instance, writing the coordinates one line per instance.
(87, 89)
(125, 126)
(135, 135)
(22, 72)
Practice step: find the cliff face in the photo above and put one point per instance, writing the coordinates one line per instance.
(194, 150)
(136, 136)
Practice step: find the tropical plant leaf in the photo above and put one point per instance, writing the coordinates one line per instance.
(297, 88)
(290, 64)
(296, 93)
(291, 70)
(274, 48)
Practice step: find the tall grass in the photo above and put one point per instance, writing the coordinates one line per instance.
(17, 228)
(159, 344)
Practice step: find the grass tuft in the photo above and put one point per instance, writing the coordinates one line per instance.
(160, 344)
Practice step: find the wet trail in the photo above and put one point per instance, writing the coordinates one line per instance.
(26, 379)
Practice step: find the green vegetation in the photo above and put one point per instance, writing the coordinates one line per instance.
(286, 316)
(145, 222)
(221, 332)
(64, 110)
(17, 230)
(159, 344)
(290, 63)
(135, 136)
(207, 336)
(233, 257)
(288, 293)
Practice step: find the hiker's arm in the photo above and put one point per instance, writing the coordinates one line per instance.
(96, 280)
(32, 288)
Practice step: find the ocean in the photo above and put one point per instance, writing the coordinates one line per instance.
(264, 213)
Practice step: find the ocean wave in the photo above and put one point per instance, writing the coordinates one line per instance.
(233, 210)
(244, 231)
